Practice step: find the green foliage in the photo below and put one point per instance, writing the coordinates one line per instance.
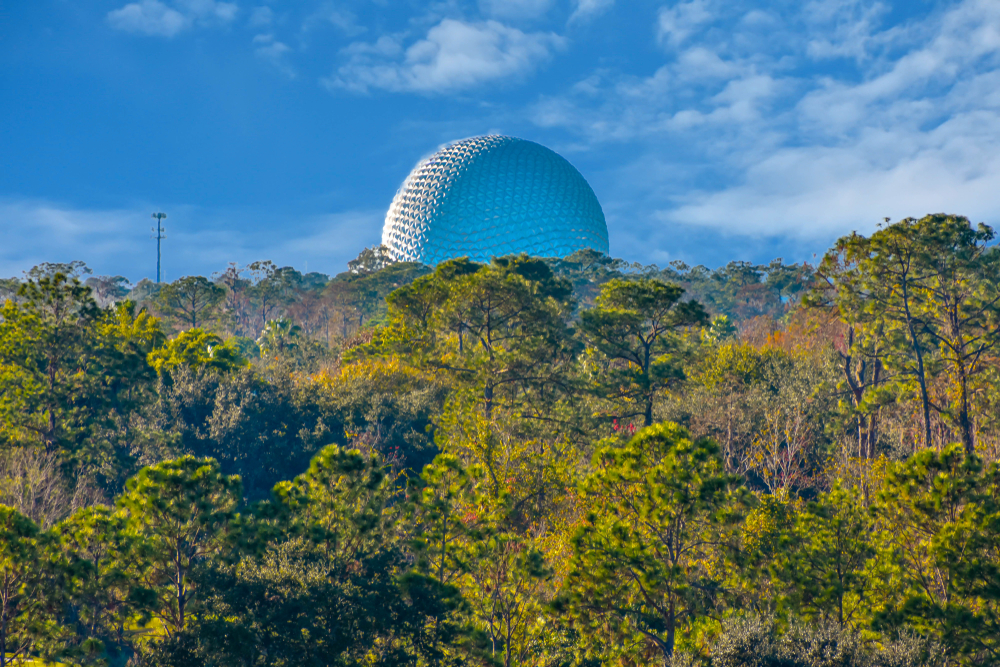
(648, 558)
(923, 298)
(191, 302)
(183, 511)
(329, 587)
(463, 540)
(941, 543)
(264, 431)
(28, 592)
(406, 465)
(632, 326)
(820, 567)
(70, 372)
(279, 338)
(387, 406)
(48, 366)
(108, 607)
(196, 349)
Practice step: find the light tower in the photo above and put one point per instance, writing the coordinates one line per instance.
(160, 217)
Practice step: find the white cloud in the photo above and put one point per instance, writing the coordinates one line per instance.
(273, 51)
(261, 16)
(770, 143)
(586, 9)
(818, 191)
(700, 63)
(675, 24)
(148, 17)
(267, 46)
(346, 22)
(849, 28)
(329, 15)
(454, 55)
(152, 17)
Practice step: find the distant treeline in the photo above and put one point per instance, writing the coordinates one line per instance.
(240, 301)
(572, 461)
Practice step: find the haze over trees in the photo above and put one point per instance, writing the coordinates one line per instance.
(532, 462)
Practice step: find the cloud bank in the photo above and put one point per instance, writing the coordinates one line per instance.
(152, 17)
(453, 56)
(805, 125)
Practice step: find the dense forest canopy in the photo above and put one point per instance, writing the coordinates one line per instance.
(574, 461)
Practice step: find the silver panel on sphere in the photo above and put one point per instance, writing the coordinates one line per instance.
(492, 196)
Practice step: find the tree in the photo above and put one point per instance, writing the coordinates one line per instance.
(499, 331)
(183, 511)
(272, 287)
(47, 370)
(467, 534)
(125, 338)
(587, 270)
(940, 551)
(370, 260)
(263, 430)
(71, 270)
(108, 608)
(387, 406)
(646, 559)
(236, 303)
(329, 585)
(8, 289)
(192, 300)
(788, 281)
(26, 600)
(861, 357)
(290, 607)
(959, 305)
(915, 291)
(108, 290)
(632, 325)
(196, 348)
(280, 337)
(821, 562)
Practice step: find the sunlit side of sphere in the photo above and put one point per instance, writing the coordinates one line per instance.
(491, 196)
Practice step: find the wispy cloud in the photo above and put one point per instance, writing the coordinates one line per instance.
(768, 140)
(148, 17)
(261, 16)
(682, 20)
(273, 51)
(152, 17)
(454, 55)
(586, 9)
(339, 17)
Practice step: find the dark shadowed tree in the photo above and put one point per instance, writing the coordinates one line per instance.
(192, 301)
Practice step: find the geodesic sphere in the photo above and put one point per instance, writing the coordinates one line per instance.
(491, 196)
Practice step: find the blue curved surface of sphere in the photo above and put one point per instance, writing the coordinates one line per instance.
(491, 196)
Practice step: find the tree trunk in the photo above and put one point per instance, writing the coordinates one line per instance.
(964, 421)
(648, 418)
(921, 379)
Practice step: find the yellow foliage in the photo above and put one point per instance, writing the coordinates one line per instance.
(739, 363)
(390, 373)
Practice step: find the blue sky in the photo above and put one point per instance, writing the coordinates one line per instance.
(709, 130)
